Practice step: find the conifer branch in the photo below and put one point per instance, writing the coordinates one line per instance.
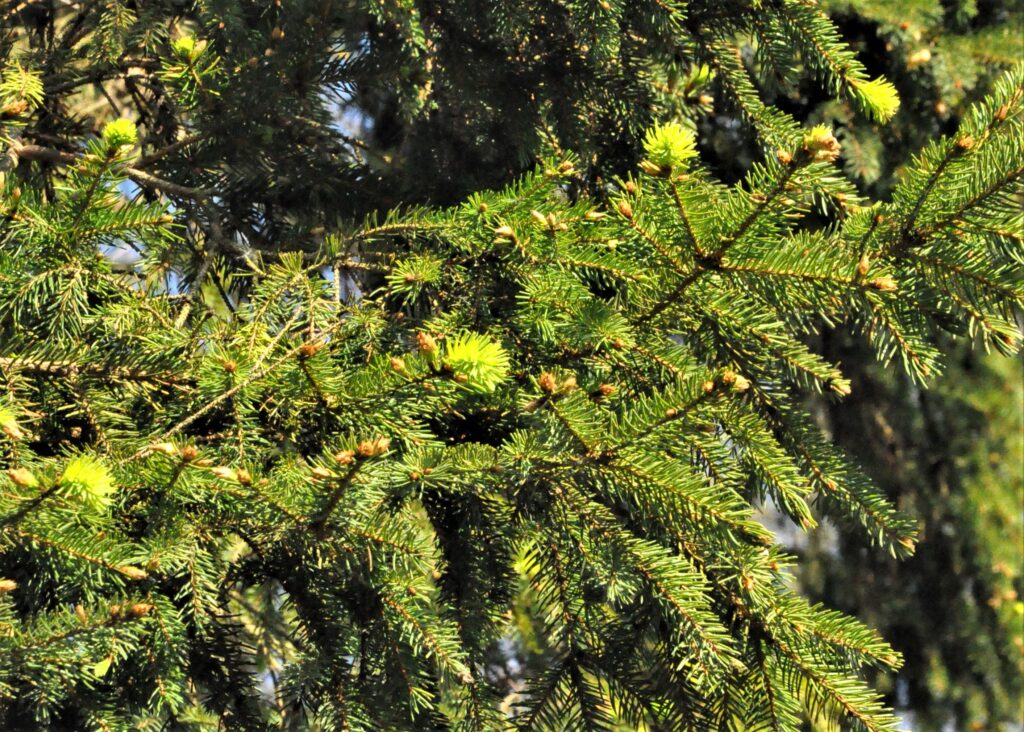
(507, 468)
(67, 369)
(49, 155)
(132, 573)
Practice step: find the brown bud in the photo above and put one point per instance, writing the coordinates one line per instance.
(461, 378)
(426, 343)
(784, 156)
(14, 109)
(650, 168)
(821, 144)
(277, 34)
(919, 58)
(80, 613)
(397, 364)
(1001, 113)
(941, 108)
(965, 143)
(566, 167)
(842, 388)
(189, 453)
(708, 386)
(625, 209)
(244, 476)
(547, 382)
(344, 457)
(22, 477)
(428, 471)
(140, 609)
(630, 187)
(381, 445)
(365, 448)
(884, 284)
(728, 378)
(414, 476)
(252, 62)
(308, 350)
(705, 100)
(133, 573)
(230, 366)
(7, 585)
(505, 231)
(618, 344)
(671, 412)
(864, 264)
(606, 389)
(224, 473)
(482, 208)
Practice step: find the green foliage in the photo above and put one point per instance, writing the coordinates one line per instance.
(119, 133)
(478, 362)
(89, 480)
(669, 146)
(329, 478)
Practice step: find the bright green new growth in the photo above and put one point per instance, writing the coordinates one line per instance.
(669, 145)
(186, 48)
(119, 133)
(89, 480)
(878, 97)
(478, 359)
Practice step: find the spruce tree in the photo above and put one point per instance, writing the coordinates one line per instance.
(304, 426)
(949, 455)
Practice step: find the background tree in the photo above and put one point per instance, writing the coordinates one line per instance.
(209, 411)
(950, 456)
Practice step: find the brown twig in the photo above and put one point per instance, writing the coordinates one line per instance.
(49, 155)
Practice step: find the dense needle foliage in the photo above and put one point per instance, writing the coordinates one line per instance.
(265, 467)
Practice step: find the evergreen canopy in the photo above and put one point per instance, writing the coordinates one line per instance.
(267, 468)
